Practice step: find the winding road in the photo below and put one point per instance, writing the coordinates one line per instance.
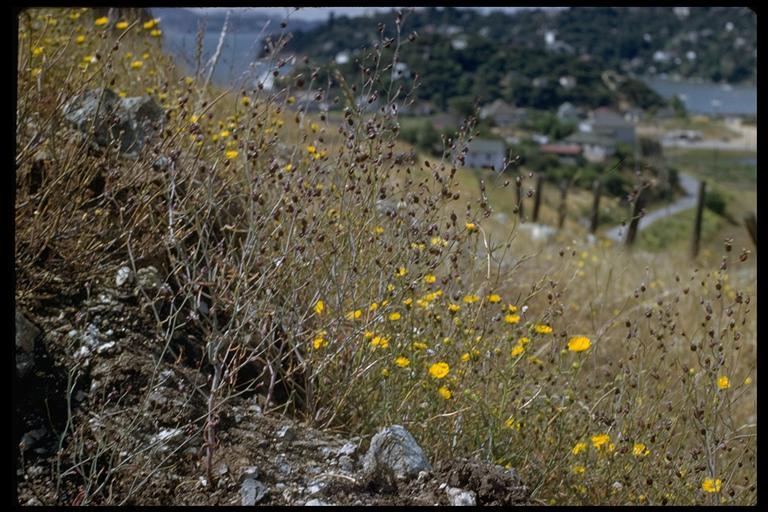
(691, 187)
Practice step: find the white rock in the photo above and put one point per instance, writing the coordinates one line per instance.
(460, 497)
(124, 275)
(393, 449)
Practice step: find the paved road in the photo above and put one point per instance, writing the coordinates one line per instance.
(691, 187)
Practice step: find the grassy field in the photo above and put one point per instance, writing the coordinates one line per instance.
(604, 376)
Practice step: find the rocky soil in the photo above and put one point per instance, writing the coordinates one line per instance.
(131, 410)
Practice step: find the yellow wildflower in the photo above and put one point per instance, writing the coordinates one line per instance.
(137, 64)
(320, 340)
(511, 308)
(723, 382)
(445, 392)
(429, 279)
(354, 315)
(122, 25)
(245, 101)
(156, 32)
(311, 150)
(380, 341)
(512, 319)
(639, 450)
(600, 440)
(230, 154)
(439, 370)
(471, 226)
(148, 25)
(288, 167)
(494, 298)
(453, 308)
(378, 230)
(524, 341)
(394, 316)
(80, 39)
(401, 272)
(319, 307)
(385, 372)
(465, 357)
(37, 51)
(579, 469)
(517, 350)
(418, 345)
(542, 328)
(578, 448)
(402, 362)
(579, 344)
(101, 21)
(469, 299)
(711, 485)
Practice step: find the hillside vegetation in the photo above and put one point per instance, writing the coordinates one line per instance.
(301, 267)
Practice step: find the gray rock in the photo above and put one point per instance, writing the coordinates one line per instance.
(161, 163)
(394, 450)
(316, 503)
(348, 449)
(286, 434)
(32, 438)
(316, 487)
(124, 275)
(33, 502)
(148, 279)
(346, 463)
(252, 491)
(281, 465)
(460, 497)
(131, 122)
(251, 472)
(26, 334)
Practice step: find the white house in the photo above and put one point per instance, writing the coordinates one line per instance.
(595, 147)
(485, 153)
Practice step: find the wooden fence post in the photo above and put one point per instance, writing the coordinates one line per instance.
(697, 223)
(635, 220)
(562, 208)
(596, 189)
(519, 192)
(537, 197)
(750, 220)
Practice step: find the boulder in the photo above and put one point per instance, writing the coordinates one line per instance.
(394, 451)
(102, 114)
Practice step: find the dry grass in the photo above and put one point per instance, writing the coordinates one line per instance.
(294, 219)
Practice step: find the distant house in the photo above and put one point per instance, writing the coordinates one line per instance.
(567, 154)
(594, 146)
(567, 113)
(342, 58)
(633, 115)
(485, 153)
(503, 114)
(608, 123)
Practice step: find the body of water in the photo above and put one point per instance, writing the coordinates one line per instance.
(708, 98)
(239, 63)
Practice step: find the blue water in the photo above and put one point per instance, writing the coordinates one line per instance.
(239, 64)
(708, 98)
